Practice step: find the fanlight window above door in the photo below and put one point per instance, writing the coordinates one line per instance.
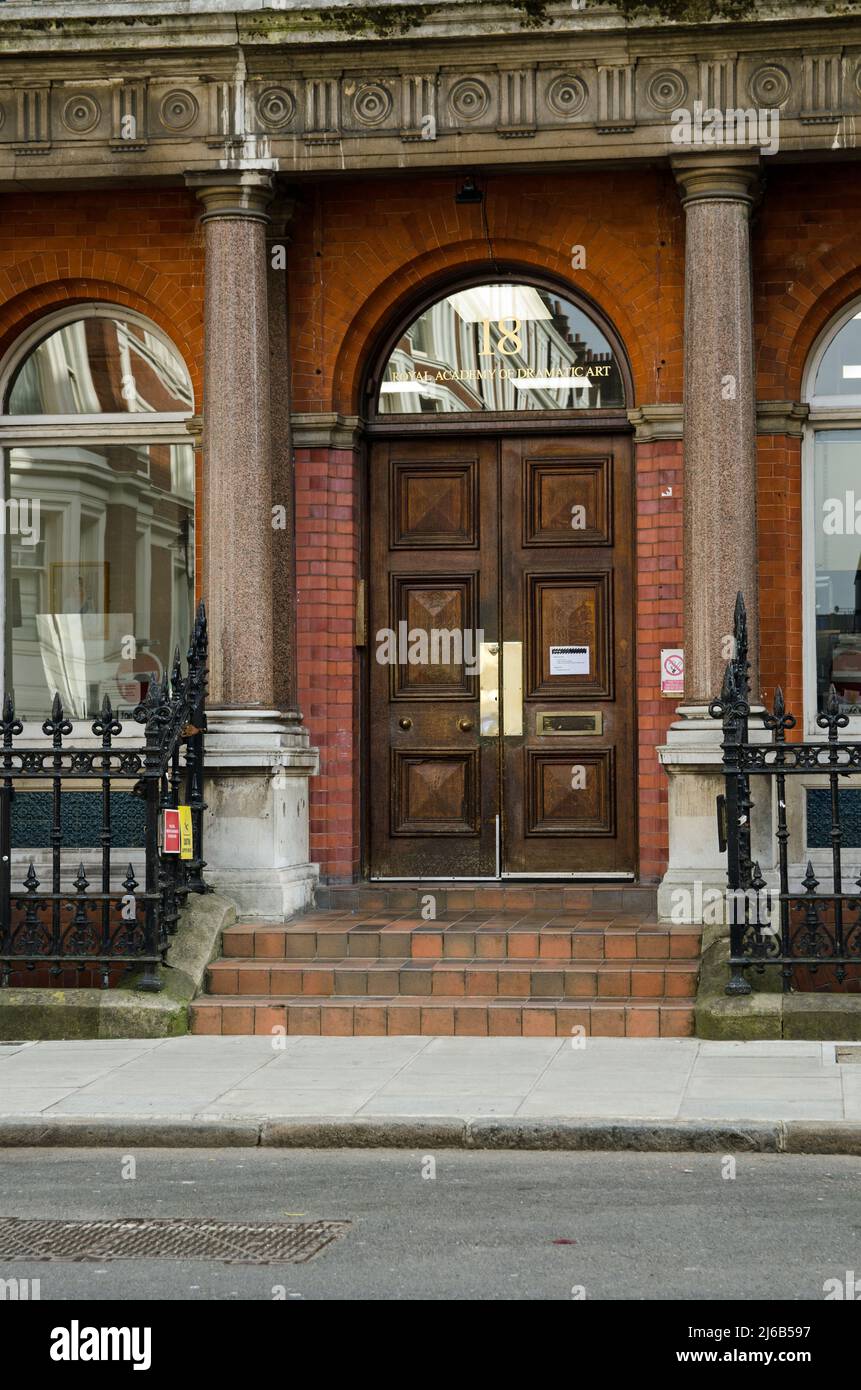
(501, 347)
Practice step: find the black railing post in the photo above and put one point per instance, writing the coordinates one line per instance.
(153, 710)
(198, 654)
(733, 708)
(831, 720)
(779, 721)
(56, 727)
(10, 727)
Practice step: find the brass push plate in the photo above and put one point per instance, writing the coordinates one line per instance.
(512, 689)
(488, 686)
(582, 723)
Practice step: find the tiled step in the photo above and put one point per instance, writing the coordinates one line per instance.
(443, 1015)
(315, 937)
(535, 979)
(405, 897)
(486, 960)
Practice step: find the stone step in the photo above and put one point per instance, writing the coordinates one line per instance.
(509, 896)
(314, 937)
(415, 1015)
(532, 979)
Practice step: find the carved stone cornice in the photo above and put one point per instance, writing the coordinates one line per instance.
(118, 99)
(654, 422)
(781, 417)
(324, 430)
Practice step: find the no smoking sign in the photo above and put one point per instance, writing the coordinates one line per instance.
(672, 671)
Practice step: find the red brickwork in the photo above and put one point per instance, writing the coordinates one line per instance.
(327, 567)
(806, 268)
(659, 624)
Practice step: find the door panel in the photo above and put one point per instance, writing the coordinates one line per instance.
(566, 540)
(524, 544)
(434, 780)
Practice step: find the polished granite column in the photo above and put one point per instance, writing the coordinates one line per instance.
(258, 758)
(237, 443)
(719, 417)
(720, 532)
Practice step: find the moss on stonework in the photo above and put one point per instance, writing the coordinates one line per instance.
(382, 21)
(702, 11)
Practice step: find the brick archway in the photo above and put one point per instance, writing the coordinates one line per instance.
(133, 286)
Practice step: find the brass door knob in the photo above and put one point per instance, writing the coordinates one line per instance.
(464, 725)
(405, 723)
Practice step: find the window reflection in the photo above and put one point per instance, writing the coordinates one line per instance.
(501, 347)
(101, 366)
(837, 464)
(102, 571)
(99, 516)
(840, 369)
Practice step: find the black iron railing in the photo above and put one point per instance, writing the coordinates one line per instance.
(122, 923)
(791, 926)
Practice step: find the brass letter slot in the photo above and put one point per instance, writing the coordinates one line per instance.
(583, 723)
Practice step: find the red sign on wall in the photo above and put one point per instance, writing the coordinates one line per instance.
(170, 832)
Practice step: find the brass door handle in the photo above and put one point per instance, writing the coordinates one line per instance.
(405, 723)
(464, 725)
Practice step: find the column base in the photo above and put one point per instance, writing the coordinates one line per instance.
(693, 887)
(258, 766)
(267, 895)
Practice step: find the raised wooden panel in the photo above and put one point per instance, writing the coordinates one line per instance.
(434, 505)
(568, 502)
(570, 792)
(435, 793)
(572, 613)
(434, 626)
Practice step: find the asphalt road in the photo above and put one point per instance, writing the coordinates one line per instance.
(510, 1225)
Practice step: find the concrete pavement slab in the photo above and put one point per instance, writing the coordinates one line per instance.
(536, 1080)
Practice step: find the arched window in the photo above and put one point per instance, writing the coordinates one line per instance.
(833, 518)
(501, 347)
(98, 510)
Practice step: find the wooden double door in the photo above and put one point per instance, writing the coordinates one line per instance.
(501, 657)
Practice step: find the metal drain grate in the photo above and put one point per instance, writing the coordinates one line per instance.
(134, 1238)
(848, 1054)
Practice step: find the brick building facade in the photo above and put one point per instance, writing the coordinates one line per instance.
(273, 208)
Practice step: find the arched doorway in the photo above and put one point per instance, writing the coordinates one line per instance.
(501, 731)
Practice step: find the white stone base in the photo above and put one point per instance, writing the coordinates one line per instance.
(269, 895)
(255, 839)
(697, 869)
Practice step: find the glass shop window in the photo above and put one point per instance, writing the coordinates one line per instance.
(99, 515)
(837, 509)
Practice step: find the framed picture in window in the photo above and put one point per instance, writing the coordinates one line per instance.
(80, 588)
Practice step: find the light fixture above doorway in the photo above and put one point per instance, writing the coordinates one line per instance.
(468, 193)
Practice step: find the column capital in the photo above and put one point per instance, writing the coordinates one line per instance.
(717, 178)
(235, 195)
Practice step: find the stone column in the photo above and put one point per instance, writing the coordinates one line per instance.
(237, 437)
(281, 213)
(720, 534)
(257, 753)
(719, 416)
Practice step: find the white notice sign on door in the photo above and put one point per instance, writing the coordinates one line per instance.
(569, 661)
